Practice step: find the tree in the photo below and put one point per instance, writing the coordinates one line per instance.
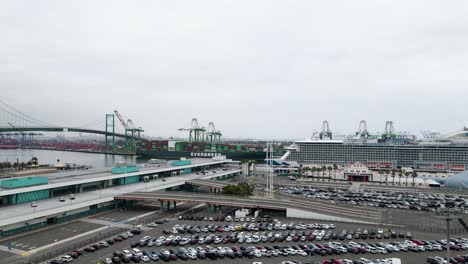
(305, 171)
(324, 168)
(414, 175)
(335, 168)
(393, 176)
(241, 189)
(313, 170)
(386, 176)
(329, 168)
(399, 178)
(34, 161)
(406, 178)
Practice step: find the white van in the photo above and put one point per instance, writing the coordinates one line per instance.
(228, 218)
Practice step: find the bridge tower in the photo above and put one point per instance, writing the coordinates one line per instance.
(110, 126)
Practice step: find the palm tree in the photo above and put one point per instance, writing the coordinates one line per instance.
(399, 178)
(393, 176)
(335, 168)
(304, 171)
(314, 170)
(414, 175)
(386, 176)
(406, 178)
(324, 168)
(329, 168)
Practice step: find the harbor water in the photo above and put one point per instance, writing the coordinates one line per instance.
(51, 157)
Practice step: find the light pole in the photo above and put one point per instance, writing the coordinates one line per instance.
(449, 214)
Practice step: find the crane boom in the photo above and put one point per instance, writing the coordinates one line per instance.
(124, 124)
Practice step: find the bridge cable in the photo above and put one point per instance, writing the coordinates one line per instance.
(31, 119)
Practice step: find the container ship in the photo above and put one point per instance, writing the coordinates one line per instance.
(202, 143)
(170, 149)
(387, 151)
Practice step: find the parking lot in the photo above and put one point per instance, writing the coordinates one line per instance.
(119, 215)
(383, 199)
(157, 232)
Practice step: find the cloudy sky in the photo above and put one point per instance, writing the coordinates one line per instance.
(263, 69)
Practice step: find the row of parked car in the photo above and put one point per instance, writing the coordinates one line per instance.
(242, 237)
(341, 261)
(386, 199)
(267, 251)
(459, 259)
(312, 231)
(212, 228)
(358, 261)
(226, 218)
(94, 247)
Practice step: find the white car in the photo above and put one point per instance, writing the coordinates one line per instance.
(127, 253)
(66, 258)
(33, 204)
(137, 252)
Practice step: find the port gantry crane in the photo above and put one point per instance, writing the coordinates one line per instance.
(362, 130)
(133, 133)
(196, 133)
(213, 135)
(389, 131)
(326, 132)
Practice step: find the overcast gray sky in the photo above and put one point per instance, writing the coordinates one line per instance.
(264, 69)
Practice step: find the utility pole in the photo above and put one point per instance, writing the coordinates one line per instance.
(449, 214)
(269, 176)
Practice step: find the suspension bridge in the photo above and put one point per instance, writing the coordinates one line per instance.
(15, 124)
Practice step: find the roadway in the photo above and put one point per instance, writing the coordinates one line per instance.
(218, 185)
(12, 214)
(280, 203)
(66, 179)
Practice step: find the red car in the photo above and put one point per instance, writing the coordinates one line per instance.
(90, 249)
(117, 239)
(78, 251)
(417, 242)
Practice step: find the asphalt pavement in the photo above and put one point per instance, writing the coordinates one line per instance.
(407, 257)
